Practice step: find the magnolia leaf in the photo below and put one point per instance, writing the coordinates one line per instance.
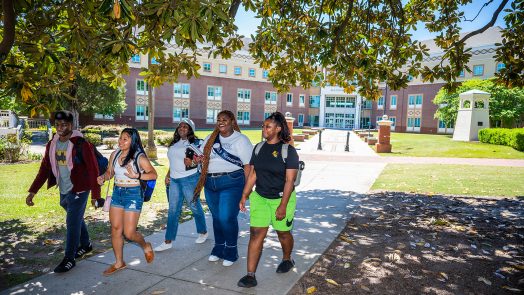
(311, 290)
(484, 280)
(332, 282)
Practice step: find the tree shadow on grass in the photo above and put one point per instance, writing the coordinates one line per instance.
(398, 243)
(28, 252)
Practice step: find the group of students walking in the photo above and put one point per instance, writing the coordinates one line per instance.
(225, 165)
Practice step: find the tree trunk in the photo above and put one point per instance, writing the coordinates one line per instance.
(9, 20)
(151, 148)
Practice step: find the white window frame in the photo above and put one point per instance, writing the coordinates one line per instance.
(181, 111)
(241, 120)
(144, 117)
(213, 118)
(380, 103)
(272, 97)
(98, 116)
(222, 69)
(301, 100)
(134, 59)
(146, 86)
(214, 96)
(204, 67)
(243, 95)
(182, 90)
(393, 106)
(475, 74)
(288, 102)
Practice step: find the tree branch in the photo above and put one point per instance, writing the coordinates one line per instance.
(488, 25)
(234, 8)
(339, 29)
(9, 29)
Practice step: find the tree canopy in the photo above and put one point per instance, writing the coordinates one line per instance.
(506, 105)
(46, 43)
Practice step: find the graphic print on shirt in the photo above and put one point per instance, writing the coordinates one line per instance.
(61, 157)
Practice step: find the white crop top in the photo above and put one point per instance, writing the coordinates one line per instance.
(120, 177)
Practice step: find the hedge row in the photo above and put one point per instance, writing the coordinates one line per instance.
(503, 136)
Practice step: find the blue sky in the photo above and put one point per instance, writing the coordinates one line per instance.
(247, 23)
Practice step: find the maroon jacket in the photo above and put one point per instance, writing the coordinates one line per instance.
(83, 175)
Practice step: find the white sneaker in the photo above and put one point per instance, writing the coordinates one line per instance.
(164, 246)
(227, 263)
(213, 258)
(201, 238)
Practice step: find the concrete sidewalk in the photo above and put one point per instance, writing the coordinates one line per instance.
(328, 194)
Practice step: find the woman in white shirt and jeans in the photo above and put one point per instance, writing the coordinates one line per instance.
(225, 166)
(181, 179)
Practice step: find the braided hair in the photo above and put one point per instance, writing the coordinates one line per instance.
(279, 119)
(207, 151)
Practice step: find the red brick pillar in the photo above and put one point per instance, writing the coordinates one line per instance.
(384, 135)
(290, 121)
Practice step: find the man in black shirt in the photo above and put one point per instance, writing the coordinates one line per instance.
(275, 166)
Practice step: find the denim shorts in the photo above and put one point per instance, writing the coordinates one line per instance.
(127, 198)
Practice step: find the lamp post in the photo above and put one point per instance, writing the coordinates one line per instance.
(319, 147)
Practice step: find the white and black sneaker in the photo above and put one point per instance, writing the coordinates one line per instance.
(66, 265)
(81, 251)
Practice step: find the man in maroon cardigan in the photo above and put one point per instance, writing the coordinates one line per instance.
(74, 171)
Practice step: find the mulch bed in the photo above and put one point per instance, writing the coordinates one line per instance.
(399, 243)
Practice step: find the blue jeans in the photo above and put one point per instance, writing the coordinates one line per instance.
(127, 198)
(181, 189)
(76, 229)
(223, 194)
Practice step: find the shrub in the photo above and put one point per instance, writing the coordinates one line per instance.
(105, 130)
(503, 136)
(110, 143)
(160, 132)
(12, 150)
(164, 140)
(95, 139)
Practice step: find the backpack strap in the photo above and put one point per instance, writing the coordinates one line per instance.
(285, 148)
(258, 147)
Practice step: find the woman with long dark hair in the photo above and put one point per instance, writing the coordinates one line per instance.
(274, 168)
(225, 166)
(181, 179)
(128, 164)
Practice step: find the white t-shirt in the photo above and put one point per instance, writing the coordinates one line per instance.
(176, 154)
(236, 144)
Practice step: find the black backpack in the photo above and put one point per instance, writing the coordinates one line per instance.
(101, 161)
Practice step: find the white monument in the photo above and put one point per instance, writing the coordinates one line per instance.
(473, 115)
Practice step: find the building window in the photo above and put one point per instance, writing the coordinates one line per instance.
(340, 102)
(142, 112)
(207, 67)
(500, 66)
(415, 100)
(462, 74)
(265, 74)
(410, 78)
(142, 88)
(180, 113)
(251, 72)
(244, 95)
(393, 120)
(300, 120)
(214, 92)
(410, 122)
(211, 116)
(302, 100)
(289, 99)
(135, 58)
(478, 70)
(417, 122)
(104, 117)
(266, 115)
(393, 102)
(380, 103)
(243, 117)
(379, 118)
(270, 97)
(419, 100)
(154, 61)
(238, 71)
(441, 124)
(314, 101)
(222, 69)
(181, 90)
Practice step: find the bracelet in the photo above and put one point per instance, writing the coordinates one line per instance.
(139, 175)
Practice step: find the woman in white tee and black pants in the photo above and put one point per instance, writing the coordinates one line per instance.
(225, 166)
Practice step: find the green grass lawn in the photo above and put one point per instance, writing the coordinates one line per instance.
(452, 179)
(436, 145)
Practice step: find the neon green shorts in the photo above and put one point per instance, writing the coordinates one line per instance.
(263, 212)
